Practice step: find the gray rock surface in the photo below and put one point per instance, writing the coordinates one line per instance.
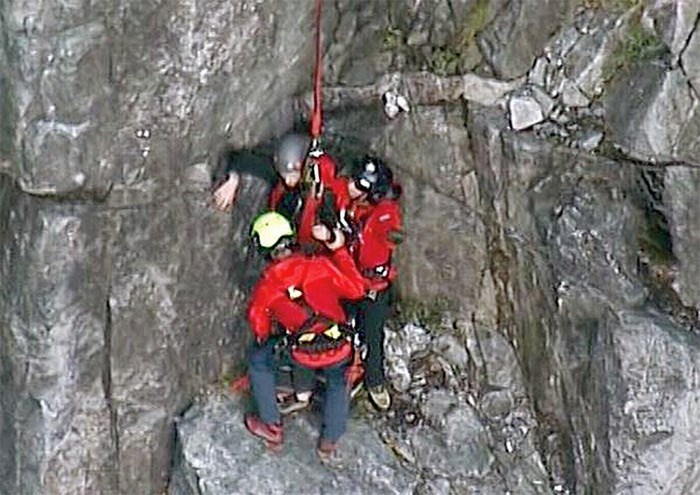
(540, 345)
(513, 40)
(101, 346)
(525, 111)
(680, 199)
(150, 68)
(653, 116)
(675, 21)
(690, 60)
(655, 413)
(652, 108)
(571, 95)
(218, 456)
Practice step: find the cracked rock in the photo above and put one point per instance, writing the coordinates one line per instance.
(571, 95)
(591, 140)
(525, 112)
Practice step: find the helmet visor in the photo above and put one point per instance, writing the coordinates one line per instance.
(363, 184)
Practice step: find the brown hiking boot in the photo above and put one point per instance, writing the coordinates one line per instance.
(272, 434)
(379, 396)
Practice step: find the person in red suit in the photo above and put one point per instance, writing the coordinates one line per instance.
(369, 213)
(375, 213)
(300, 296)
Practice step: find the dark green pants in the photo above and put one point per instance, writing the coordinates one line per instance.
(371, 316)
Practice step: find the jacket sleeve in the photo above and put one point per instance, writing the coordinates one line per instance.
(259, 314)
(352, 285)
(245, 163)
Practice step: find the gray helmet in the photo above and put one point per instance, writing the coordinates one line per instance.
(291, 150)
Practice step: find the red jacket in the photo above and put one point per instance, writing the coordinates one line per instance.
(292, 288)
(377, 225)
(323, 174)
(278, 191)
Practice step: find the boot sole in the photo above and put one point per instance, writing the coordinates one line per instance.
(273, 448)
(377, 406)
(262, 436)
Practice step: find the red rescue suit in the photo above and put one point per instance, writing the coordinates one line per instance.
(303, 294)
(379, 226)
(376, 225)
(320, 173)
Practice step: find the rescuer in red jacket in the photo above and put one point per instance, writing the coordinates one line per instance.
(300, 296)
(375, 216)
(369, 213)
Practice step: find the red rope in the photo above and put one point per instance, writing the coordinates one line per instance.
(316, 116)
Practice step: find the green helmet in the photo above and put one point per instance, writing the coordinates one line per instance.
(270, 228)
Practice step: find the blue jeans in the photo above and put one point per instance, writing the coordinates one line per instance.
(336, 402)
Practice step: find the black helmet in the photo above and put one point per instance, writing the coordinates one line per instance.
(372, 176)
(291, 152)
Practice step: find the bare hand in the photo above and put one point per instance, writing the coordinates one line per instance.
(321, 233)
(225, 194)
(337, 242)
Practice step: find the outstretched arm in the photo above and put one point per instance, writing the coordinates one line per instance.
(233, 165)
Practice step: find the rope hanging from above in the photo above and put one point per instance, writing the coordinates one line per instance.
(317, 116)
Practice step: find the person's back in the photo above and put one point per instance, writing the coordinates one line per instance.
(293, 289)
(302, 294)
(380, 233)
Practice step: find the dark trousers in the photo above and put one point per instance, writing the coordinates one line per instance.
(371, 316)
(336, 401)
(303, 379)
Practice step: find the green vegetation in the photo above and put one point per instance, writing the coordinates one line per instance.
(445, 61)
(393, 39)
(457, 56)
(613, 6)
(477, 20)
(429, 314)
(461, 52)
(636, 45)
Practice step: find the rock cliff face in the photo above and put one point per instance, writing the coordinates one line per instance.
(546, 338)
